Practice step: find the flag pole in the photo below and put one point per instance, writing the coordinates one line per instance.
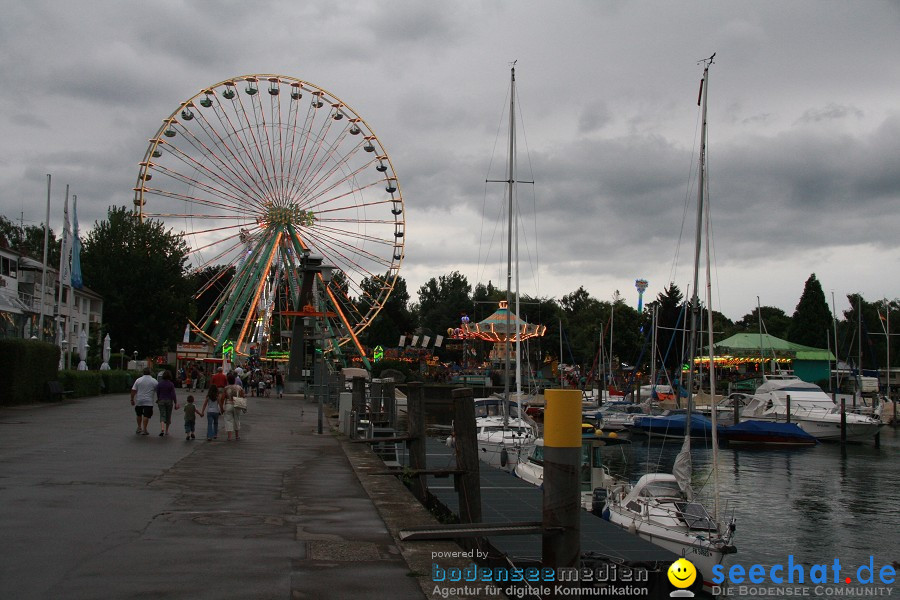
(44, 266)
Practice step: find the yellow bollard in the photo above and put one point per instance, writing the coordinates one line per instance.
(561, 543)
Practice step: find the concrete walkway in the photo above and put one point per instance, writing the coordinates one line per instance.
(91, 510)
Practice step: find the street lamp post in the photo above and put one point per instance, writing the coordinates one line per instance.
(319, 366)
(122, 358)
(135, 359)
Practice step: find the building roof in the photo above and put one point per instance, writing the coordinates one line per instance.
(749, 344)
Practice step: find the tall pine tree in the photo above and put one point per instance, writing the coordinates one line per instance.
(812, 319)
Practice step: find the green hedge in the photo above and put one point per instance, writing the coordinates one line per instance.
(116, 382)
(82, 383)
(34, 364)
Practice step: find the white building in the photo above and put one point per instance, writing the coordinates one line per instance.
(82, 311)
(13, 312)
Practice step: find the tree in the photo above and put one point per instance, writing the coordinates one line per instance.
(670, 324)
(775, 322)
(140, 270)
(442, 301)
(812, 320)
(29, 241)
(394, 319)
(583, 316)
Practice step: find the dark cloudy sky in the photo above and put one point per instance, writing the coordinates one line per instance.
(804, 126)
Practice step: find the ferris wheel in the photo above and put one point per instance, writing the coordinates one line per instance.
(259, 173)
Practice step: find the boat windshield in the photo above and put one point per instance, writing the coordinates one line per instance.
(515, 430)
(494, 408)
(661, 489)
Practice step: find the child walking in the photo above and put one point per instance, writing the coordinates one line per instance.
(190, 418)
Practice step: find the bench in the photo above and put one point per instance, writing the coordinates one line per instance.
(56, 392)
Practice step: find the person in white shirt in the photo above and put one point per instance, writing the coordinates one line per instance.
(143, 394)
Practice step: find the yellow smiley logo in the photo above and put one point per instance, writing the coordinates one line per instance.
(682, 573)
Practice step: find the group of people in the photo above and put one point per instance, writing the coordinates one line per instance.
(256, 382)
(219, 400)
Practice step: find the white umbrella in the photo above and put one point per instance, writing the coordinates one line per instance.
(106, 352)
(187, 333)
(82, 349)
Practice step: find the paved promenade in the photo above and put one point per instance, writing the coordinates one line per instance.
(91, 510)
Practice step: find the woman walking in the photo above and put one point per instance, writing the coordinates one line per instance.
(212, 406)
(166, 400)
(232, 416)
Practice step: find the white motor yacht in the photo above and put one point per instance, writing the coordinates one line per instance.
(810, 408)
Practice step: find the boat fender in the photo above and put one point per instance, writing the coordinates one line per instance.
(504, 458)
(632, 528)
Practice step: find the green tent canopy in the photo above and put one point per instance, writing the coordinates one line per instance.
(748, 344)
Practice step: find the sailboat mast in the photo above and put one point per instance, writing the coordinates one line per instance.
(695, 300)
(510, 183)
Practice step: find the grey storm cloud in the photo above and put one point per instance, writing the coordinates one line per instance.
(804, 124)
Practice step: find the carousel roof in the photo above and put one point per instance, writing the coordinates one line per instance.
(494, 328)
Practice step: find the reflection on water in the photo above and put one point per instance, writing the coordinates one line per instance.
(817, 503)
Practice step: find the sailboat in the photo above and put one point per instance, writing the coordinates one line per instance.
(661, 507)
(506, 438)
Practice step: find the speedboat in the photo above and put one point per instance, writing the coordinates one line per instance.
(615, 416)
(504, 436)
(810, 408)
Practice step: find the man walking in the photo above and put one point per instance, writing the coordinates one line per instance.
(142, 393)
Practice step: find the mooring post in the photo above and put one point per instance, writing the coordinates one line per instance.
(467, 455)
(376, 396)
(843, 421)
(788, 417)
(389, 402)
(415, 415)
(359, 395)
(737, 410)
(561, 545)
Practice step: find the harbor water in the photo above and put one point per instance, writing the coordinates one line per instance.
(816, 504)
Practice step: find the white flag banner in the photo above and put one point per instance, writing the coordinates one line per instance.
(438, 341)
(425, 341)
(415, 340)
(65, 254)
(402, 341)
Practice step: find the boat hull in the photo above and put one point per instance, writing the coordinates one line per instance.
(703, 553)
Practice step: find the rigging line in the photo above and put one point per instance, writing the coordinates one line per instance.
(238, 151)
(248, 188)
(687, 197)
(480, 271)
(241, 135)
(535, 267)
(710, 228)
